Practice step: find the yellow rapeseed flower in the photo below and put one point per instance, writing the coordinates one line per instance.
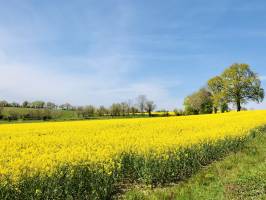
(41, 147)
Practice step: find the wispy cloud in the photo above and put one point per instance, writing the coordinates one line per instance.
(263, 78)
(85, 61)
(84, 52)
(23, 81)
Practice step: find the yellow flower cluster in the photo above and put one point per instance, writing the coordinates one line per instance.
(41, 147)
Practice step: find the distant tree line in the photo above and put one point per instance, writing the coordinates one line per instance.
(28, 114)
(236, 86)
(40, 110)
(36, 104)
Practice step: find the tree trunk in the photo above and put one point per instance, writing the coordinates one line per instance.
(215, 110)
(238, 104)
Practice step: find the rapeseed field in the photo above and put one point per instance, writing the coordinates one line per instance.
(88, 159)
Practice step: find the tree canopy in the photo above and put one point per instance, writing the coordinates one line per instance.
(237, 85)
(199, 102)
(241, 85)
(216, 87)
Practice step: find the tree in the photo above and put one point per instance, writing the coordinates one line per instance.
(90, 110)
(190, 108)
(224, 108)
(241, 85)
(79, 111)
(216, 87)
(15, 104)
(101, 111)
(178, 112)
(25, 104)
(38, 104)
(66, 106)
(4, 103)
(149, 107)
(129, 106)
(124, 108)
(87, 111)
(115, 109)
(51, 105)
(134, 110)
(199, 102)
(12, 114)
(141, 101)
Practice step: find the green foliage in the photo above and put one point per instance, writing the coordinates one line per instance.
(25, 104)
(216, 86)
(4, 103)
(115, 109)
(178, 165)
(50, 105)
(66, 106)
(101, 111)
(67, 182)
(199, 103)
(40, 110)
(241, 84)
(87, 111)
(11, 114)
(224, 107)
(37, 104)
(238, 84)
(179, 112)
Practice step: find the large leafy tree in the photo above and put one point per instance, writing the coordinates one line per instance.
(241, 84)
(216, 87)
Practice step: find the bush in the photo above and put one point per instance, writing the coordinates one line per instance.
(179, 112)
(11, 115)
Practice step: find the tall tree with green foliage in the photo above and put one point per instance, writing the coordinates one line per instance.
(216, 87)
(241, 85)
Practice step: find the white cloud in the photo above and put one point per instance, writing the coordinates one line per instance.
(105, 85)
(102, 77)
(263, 78)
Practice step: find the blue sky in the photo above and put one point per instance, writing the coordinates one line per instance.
(98, 52)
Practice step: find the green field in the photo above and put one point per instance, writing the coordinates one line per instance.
(18, 115)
